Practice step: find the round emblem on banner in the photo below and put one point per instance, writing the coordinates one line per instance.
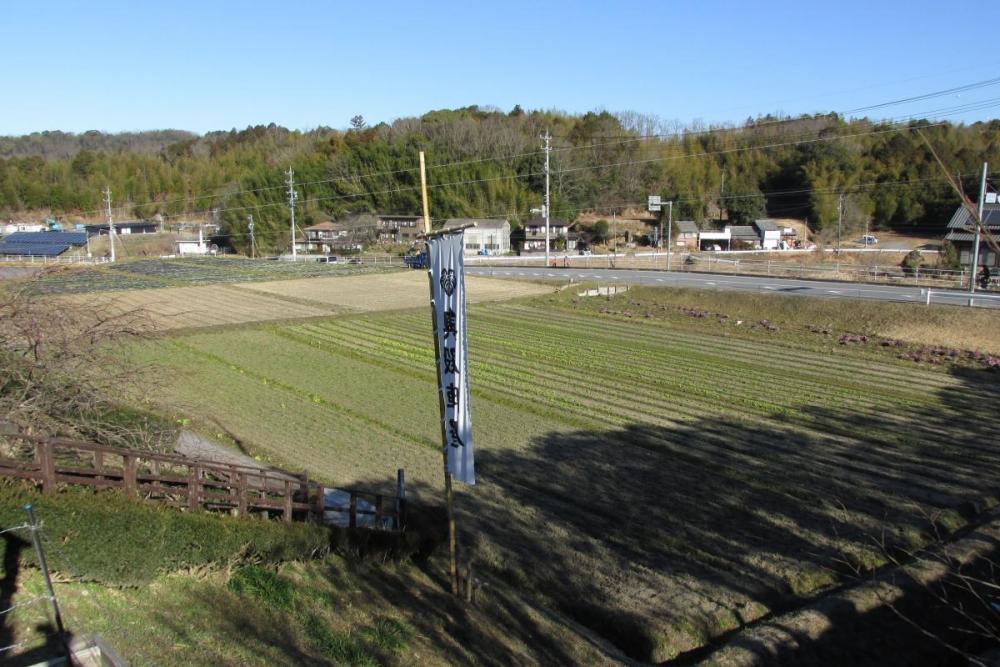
(448, 281)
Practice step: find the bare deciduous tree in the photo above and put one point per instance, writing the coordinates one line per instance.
(64, 367)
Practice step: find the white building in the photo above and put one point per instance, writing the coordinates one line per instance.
(770, 234)
(488, 237)
(12, 227)
(715, 240)
(193, 246)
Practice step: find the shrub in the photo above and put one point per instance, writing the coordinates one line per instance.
(913, 261)
(111, 539)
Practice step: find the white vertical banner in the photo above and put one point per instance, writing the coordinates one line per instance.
(447, 271)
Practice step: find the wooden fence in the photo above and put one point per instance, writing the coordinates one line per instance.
(185, 483)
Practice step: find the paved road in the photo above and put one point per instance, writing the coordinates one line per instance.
(819, 288)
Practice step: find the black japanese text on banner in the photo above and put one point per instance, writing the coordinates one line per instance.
(447, 268)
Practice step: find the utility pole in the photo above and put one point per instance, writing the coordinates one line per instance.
(840, 220)
(979, 226)
(111, 221)
(722, 195)
(292, 196)
(548, 139)
(423, 194)
(614, 232)
(253, 241)
(670, 229)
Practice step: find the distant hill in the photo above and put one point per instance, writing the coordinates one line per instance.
(485, 162)
(62, 145)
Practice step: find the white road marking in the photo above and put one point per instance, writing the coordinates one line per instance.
(833, 291)
(709, 283)
(659, 280)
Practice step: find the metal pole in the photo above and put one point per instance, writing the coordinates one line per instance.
(111, 222)
(979, 225)
(253, 242)
(36, 540)
(840, 220)
(670, 230)
(291, 208)
(547, 202)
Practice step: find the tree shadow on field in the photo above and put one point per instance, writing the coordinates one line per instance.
(661, 540)
(652, 543)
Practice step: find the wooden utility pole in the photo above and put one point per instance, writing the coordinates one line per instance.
(423, 194)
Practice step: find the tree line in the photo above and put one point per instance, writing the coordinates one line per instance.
(485, 162)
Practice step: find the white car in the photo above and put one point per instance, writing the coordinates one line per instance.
(869, 239)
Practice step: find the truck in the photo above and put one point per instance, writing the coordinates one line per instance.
(417, 261)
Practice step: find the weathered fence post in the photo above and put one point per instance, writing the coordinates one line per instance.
(194, 490)
(99, 464)
(378, 510)
(288, 500)
(48, 465)
(128, 474)
(241, 491)
(353, 521)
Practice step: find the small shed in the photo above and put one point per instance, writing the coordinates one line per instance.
(769, 233)
(743, 237)
(715, 240)
(687, 234)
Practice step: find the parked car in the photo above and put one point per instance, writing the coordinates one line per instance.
(868, 239)
(329, 259)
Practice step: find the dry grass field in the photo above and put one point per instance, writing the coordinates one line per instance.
(172, 308)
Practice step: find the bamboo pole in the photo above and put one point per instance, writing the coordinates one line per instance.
(448, 497)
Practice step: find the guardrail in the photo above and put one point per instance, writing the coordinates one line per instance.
(173, 480)
(192, 485)
(736, 262)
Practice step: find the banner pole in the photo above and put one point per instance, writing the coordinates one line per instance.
(448, 498)
(452, 549)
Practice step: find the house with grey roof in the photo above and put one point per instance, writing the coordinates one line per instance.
(769, 233)
(687, 233)
(961, 233)
(488, 237)
(743, 237)
(531, 236)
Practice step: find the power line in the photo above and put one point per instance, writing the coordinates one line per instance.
(926, 96)
(582, 168)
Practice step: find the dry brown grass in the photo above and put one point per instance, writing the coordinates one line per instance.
(220, 305)
(391, 291)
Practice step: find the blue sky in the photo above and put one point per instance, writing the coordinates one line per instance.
(207, 65)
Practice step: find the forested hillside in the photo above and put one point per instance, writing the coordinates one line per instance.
(489, 163)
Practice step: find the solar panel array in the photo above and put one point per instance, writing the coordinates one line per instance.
(36, 249)
(46, 238)
(41, 244)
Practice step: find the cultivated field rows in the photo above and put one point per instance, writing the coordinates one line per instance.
(216, 305)
(689, 482)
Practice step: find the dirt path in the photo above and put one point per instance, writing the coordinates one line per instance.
(200, 448)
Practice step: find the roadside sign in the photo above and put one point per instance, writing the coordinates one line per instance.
(653, 203)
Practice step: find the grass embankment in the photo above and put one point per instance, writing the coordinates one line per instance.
(803, 320)
(659, 479)
(170, 588)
